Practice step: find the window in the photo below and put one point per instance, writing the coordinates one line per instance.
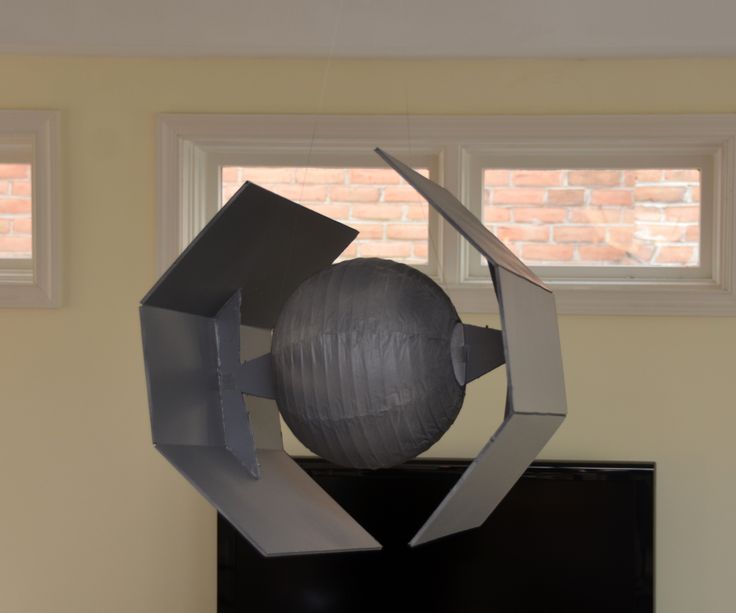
(646, 217)
(16, 205)
(630, 214)
(393, 220)
(29, 212)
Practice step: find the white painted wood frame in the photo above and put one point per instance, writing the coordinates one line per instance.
(192, 148)
(32, 137)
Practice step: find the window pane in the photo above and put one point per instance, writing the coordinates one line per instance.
(15, 211)
(390, 215)
(583, 217)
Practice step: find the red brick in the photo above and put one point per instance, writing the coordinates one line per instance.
(590, 178)
(641, 252)
(376, 211)
(320, 176)
(519, 195)
(495, 178)
(494, 214)
(374, 176)
(628, 216)
(649, 175)
(662, 232)
(612, 197)
(354, 194)
(545, 215)
(659, 194)
(682, 213)
(408, 231)
(692, 233)
(682, 174)
(15, 206)
(602, 253)
(695, 194)
(267, 176)
(544, 178)
(15, 171)
(675, 255)
(230, 174)
(548, 253)
(595, 215)
(350, 251)
(421, 251)
(368, 230)
(403, 193)
(15, 244)
(567, 197)
(22, 226)
(523, 233)
(417, 212)
(4, 226)
(228, 190)
(387, 249)
(572, 234)
(300, 193)
(21, 188)
(333, 211)
(620, 237)
(648, 213)
(629, 178)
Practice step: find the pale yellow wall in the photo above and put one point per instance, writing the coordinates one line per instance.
(93, 520)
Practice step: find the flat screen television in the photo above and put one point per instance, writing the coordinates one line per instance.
(570, 537)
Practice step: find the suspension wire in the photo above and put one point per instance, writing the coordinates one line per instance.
(322, 93)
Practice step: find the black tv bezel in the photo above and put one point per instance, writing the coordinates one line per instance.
(539, 469)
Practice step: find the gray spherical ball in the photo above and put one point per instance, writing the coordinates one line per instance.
(363, 365)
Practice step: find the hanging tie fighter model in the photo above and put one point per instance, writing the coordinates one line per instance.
(368, 366)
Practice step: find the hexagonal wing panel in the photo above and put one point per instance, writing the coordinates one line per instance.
(535, 408)
(535, 403)
(264, 246)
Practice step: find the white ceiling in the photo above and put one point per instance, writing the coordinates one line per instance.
(371, 28)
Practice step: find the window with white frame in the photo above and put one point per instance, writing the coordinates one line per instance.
(630, 214)
(29, 211)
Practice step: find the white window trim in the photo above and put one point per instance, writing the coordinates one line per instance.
(33, 137)
(189, 145)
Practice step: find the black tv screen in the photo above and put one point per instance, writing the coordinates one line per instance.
(568, 538)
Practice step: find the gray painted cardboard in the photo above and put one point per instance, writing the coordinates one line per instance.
(283, 513)
(490, 476)
(190, 324)
(256, 226)
(239, 439)
(463, 220)
(535, 403)
(483, 349)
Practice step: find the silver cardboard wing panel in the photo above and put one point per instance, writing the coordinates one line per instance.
(264, 246)
(259, 242)
(283, 513)
(467, 224)
(535, 404)
(490, 476)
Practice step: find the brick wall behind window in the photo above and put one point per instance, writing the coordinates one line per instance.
(15, 211)
(603, 217)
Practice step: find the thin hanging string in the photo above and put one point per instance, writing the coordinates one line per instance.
(405, 16)
(323, 90)
(433, 245)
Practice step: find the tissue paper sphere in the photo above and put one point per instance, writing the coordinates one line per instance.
(363, 366)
